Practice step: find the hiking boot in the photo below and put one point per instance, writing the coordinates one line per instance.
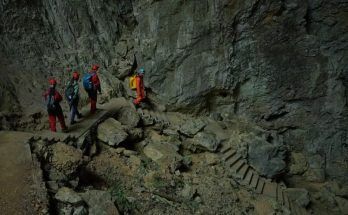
(79, 116)
(72, 122)
(65, 130)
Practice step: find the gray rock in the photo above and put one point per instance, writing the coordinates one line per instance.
(188, 192)
(206, 141)
(342, 204)
(52, 186)
(164, 154)
(66, 159)
(211, 159)
(316, 171)
(268, 159)
(55, 175)
(171, 132)
(67, 195)
(66, 210)
(192, 127)
(99, 203)
(111, 132)
(128, 116)
(298, 164)
(129, 153)
(135, 134)
(299, 195)
(80, 211)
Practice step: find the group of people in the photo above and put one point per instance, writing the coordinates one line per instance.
(92, 86)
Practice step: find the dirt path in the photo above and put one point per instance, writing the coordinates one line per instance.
(17, 185)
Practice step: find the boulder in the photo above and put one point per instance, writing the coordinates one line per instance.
(205, 141)
(192, 127)
(268, 159)
(298, 164)
(164, 154)
(111, 132)
(99, 203)
(66, 159)
(342, 204)
(80, 211)
(128, 116)
(299, 195)
(67, 195)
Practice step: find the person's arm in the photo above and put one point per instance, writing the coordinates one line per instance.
(96, 83)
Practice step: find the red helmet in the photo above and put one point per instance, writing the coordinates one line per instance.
(76, 75)
(53, 82)
(95, 67)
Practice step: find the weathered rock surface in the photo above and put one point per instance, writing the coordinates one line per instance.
(99, 203)
(206, 141)
(298, 195)
(111, 132)
(192, 127)
(67, 195)
(164, 154)
(128, 116)
(66, 159)
(268, 159)
(298, 164)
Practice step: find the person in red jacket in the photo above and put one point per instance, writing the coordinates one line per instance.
(139, 87)
(93, 93)
(53, 98)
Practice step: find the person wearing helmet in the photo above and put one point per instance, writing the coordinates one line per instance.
(140, 91)
(73, 97)
(53, 98)
(93, 93)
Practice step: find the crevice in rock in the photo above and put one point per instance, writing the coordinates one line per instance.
(276, 116)
(308, 19)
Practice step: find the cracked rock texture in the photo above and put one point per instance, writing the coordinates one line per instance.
(281, 64)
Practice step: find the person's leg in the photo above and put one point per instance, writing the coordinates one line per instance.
(93, 99)
(62, 122)
(60, 117)
(79, 115)
(52, 121)
(73, 113)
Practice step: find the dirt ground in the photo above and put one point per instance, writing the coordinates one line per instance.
(16, 181)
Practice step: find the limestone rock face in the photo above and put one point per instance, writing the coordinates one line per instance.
(279, 63)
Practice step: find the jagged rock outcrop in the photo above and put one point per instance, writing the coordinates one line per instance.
(279, 63)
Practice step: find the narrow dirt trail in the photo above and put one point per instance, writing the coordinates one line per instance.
(16, 181)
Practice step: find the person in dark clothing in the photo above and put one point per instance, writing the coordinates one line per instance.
(93, 93)
(53, 98)
(74, 97)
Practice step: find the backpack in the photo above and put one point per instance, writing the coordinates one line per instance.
(51, 105)
(87, 81)
(132, 82)
(69, 91)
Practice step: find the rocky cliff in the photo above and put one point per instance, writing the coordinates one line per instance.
(281, 64)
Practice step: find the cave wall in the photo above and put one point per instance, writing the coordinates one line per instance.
(281, 64)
